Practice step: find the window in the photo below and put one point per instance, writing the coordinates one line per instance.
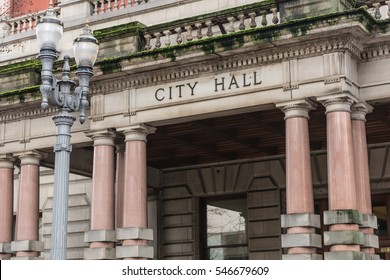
(226, 229)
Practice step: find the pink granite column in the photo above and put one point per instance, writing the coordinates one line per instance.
(102, 233)
(6, 205)
(363, 189)
(134, 231)
(343, 218)
(300, 220)
(27, 217)
(119, 183)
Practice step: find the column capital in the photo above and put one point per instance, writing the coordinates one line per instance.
(138, 132)
(296, 108)
(29, 157)
(360, 110)
(338, 102)
(7, 161)
(105, 137)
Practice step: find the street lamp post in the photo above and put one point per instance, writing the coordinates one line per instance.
(67, 98)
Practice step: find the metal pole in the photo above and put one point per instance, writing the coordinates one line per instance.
(62, 149)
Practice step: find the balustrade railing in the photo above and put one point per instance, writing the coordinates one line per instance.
(23, 23)
(379, 10)
(106, 6)
(209, 27)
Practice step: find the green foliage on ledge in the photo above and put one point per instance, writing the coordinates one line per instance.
(258, 6)
(257, 36)
(20, 93)
(128, 29)
(14, 68)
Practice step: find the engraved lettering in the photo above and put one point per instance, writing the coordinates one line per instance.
(219, 84)
(157, 96)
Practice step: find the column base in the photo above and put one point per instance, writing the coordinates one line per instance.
(369, 221)
(26, 258)
(344, 255)
(134, 233)
(27, 245)
(301, 240)
(134, 251)
(372, 257)
(5, 248)
(5, 256)
(344, 216)
(293, 257)
(370, 241)
(300, 220)
(343, 237)
(100, 236)
(99, 254)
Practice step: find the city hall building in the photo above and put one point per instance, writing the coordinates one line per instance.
(229, 129)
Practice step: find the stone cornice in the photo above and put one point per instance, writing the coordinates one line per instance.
(237, 62)
(375, 51)
(30, 112)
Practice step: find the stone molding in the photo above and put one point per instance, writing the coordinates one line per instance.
(302, 257)
(371, 241)
(301, 240)
(137, 132)
(350, 216)
(27, 245)
(134, 251)
(360, 110)
(297, 108)
(29, 157)
(369, 221)
(99, 254)
(300, 220)
(343, 237)
(29, 112)
(341, 102)
(134, 233)
(26, 258)
(7, 161)
(104, 137)
(101, 235)
(375, 51)
(237, 62)
(344, 255)
(5, 248)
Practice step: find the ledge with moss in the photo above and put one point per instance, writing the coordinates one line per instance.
(220, 43)
(12, 95)
(257, 36)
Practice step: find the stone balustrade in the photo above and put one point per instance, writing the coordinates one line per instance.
(209, 27)
(106, 6)
(22, 23)
(379, 10)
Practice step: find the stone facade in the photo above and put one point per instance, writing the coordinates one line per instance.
(279, 85)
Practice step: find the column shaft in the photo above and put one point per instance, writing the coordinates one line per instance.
(120, 181)
(300, 221)
(341, 168)
(298, 167)
(27, 219)
(134, 232)
(103, 194)
(135, 190)
(102, 234)
(363, 189)
(6, 202)
(343, 218)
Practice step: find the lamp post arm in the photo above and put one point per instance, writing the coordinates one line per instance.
(49, 81)
(84, 74)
